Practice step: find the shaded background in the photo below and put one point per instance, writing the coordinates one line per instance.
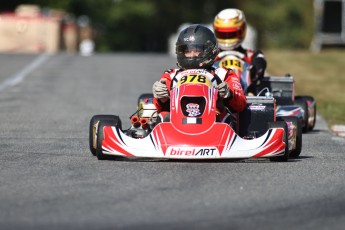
(145, 25)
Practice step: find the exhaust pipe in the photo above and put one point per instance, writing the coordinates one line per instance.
(135, 121)
(144, 123)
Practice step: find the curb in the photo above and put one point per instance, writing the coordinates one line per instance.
(339, 130)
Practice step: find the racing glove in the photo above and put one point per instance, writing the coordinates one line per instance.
(223, 90)
(160, 90)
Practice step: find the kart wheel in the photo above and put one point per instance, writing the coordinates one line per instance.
(314, 122)
(310, 98)
(281, 124)
(298, 148)
(93, 129)
(302, 101)
(100, 134)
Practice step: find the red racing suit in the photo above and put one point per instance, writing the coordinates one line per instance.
(258, 63)
(254, 58)
(236, 103)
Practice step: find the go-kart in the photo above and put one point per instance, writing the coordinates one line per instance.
(192, 131)
(287, 108)
(280, 87)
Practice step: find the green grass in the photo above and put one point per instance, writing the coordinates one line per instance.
(320, 75)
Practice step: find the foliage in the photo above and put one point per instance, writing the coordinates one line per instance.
(145, 25)
(287, 24)
(320, 75)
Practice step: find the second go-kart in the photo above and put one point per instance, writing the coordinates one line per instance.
(282, 88)
(288, 108)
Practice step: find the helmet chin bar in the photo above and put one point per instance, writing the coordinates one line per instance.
(229, 46)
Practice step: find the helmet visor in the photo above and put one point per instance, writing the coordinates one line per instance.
(191, 50)
(229, 34)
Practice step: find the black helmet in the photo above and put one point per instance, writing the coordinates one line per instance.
(200, 39)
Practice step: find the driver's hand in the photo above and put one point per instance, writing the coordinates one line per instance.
(160, 90)
(223, 90)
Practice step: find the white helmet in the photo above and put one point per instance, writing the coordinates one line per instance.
(230, 28)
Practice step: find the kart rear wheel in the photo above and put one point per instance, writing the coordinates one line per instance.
(314, 122)
(93, 129)
(310, 98)
(298, 122)
(281, 124)
(100, 135)
(302, 101)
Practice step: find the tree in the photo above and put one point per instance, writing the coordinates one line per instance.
(145, 25)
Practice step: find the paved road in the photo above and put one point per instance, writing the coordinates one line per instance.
(49, 180)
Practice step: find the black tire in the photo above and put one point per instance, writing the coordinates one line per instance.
(314, 122)
(298, 122)
(281, 124)
(302, 101)
(310, 98)
(93, 128)
(100, 135)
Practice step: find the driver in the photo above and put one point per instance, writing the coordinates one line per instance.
(230, 28)
(196, 48)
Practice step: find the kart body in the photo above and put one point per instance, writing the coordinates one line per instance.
(192, 131)
(285, 108)
(282, 88)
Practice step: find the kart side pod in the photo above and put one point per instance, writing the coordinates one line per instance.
(258, 113)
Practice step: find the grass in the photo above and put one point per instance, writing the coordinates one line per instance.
(321, 75)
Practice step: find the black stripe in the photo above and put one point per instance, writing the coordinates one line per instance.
(233, 141)
(118, 133)
(152, 141)
(269, 134)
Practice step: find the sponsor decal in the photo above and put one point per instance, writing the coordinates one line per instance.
(192, 152)
(237, 85)
(286, 111)
(195, 71)
(189, 39)
(193, 109)
(257, 107)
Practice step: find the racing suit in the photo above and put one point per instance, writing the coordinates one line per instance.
(235, 103)
(257, 62)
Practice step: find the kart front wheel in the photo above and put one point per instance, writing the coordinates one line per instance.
(93, 129)
(100, 135)
(281, 124)
(302, 102)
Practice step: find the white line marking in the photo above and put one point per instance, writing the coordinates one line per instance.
(21, 75)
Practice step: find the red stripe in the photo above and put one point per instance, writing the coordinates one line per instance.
(158, 135)
(227, 29)
(224, 139)
(276, 144)
(109, 143)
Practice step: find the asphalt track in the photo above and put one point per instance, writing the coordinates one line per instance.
(50, 180)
